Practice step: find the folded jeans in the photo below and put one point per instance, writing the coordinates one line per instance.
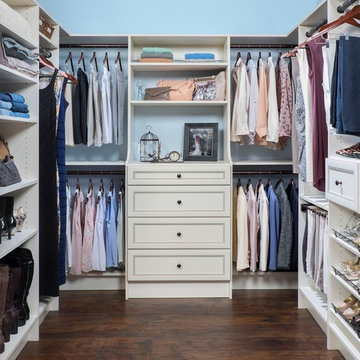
(12, 97)
(5, 105)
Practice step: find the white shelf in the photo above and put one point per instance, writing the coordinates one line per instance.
(318, 306)
(30, 44)
(18, 239)
(263, 163)
(13, 119)
(179, 66)
(10, 75)
(46, 42)
(345, 285)
(18, 186)
(178, 103)
(344, 244)
(318, 201)
(95, 163)
(18, 341)
(100, 274)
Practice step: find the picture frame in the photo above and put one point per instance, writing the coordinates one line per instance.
(200, 142)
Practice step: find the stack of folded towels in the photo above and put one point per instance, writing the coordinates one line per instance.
(19, 57)
(13, 105)
(199, 57)
(156, 54)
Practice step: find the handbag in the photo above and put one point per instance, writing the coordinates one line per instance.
(9, 173)
(180, 90)
(210, 88)
(158, 93)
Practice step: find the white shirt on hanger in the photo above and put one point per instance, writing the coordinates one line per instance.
(106, 106)
(254, 93)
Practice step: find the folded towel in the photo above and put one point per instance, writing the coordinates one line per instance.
(20, 107)
(15, 98)
(5, 97)
(156, 55)
(155, 60)
(23, 66)
(156, 50)
(5, 105)
(196, 56)
(6, 112)
(21, 114)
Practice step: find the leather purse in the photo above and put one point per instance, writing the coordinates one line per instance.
(9, 173)
(180, 90)
(210, 88)
(158, 93)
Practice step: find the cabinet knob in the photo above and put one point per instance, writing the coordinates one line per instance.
(178, 176)
(337, 182)
(179, 202)
(178, 234)
(178, 266)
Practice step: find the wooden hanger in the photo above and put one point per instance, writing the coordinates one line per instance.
(118, 60)
(94, 58)
(71, 62)
(45, 62)
(238, 56)
(106, 60)
(101, 190)
(82, 58)
(248, 57)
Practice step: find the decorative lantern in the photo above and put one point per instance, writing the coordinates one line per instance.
(149, 146)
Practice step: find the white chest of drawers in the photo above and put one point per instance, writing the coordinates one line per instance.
(178, 230)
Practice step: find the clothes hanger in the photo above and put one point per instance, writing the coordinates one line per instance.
(46, 63)
(121, 189)
(94, 58)
(118, 60)
(101, 191)
(238, 56)
(69, 57)
(106, 60)
(82, 58)
(248, 57)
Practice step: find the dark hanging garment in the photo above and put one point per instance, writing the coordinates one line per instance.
(48, 216)
(80, 108)
(60, 156)
(294, 203)
(334, 87)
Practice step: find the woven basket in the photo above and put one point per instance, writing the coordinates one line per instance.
(45, 28)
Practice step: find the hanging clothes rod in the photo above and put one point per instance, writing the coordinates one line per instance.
(94, 172)
(264, 172)
(261, 46)
(312, 31)
(93, 46)
(342, 8)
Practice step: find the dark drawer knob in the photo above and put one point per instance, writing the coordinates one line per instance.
(337, 182)
(178, 176)
(179, 202)
(178, 266)
(178, 234)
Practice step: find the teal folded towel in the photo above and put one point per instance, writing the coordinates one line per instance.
(159, 50)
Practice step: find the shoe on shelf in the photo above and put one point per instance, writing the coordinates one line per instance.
(350, 151)
(352, 311)
(348, 302)
(20, 217)
(345, 265)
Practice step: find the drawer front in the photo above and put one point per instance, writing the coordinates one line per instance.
(341, 183)
(175, 174)
(178, 265)
(185, 201)
(178, 233)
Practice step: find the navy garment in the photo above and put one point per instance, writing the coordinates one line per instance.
(274, 227)
(80, 108)
(292, 194)
(348, 90)
(60, 157)
(334, 88)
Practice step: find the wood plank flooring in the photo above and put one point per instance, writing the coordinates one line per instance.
(101, 325)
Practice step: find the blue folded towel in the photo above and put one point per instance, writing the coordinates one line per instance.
(20, 107)
(5, 97)
(5, 105)
(6, 112)
(199, 56)
(12, 97)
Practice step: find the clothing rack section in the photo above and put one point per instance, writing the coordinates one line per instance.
(265, 214)
(96, 216)
(261, 46)
(93, 46)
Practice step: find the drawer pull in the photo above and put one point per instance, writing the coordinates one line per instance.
(179, 202)
(178, 176)
(178, 266)
(178, 234)
(337, 182)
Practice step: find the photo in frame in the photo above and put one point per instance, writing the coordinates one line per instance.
(200, 142)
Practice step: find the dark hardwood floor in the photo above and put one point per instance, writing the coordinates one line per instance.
(101, 325)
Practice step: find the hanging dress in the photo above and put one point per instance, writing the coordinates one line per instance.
(111, 240)
(98, 251)
(88, 236)
(48, 217)
(77, 233)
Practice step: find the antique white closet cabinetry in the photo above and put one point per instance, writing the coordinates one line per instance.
(178, 215)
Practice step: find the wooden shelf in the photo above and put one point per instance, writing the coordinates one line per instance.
(46, 42)
(8, 245)
(10, 75)
(13, 119)
(179, 66)
(318, 201)
(29, 43)
(18, 186)
(178, 103)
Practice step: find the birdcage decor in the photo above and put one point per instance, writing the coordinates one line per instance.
(149, 146)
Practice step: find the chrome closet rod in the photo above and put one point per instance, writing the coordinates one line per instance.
(94, 172)
(93, 46)
(341, 8)
(264, 172)
(261, 46)
(312, 31)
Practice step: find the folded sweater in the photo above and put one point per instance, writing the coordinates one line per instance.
(156, 50)
(156, 55)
